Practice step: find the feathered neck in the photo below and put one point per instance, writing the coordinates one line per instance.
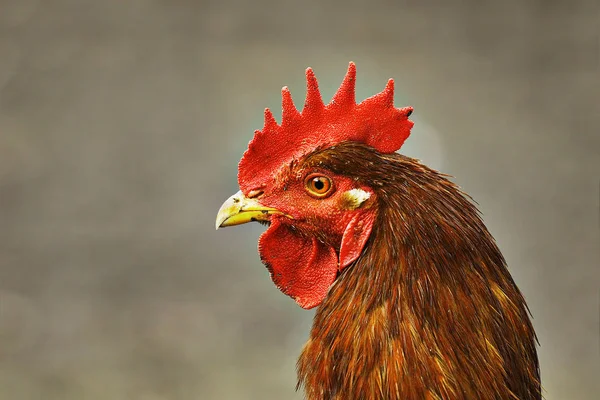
(429, 310)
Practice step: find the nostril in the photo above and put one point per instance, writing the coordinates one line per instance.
(254, 193)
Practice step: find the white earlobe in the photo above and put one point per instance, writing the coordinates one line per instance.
(354, 198)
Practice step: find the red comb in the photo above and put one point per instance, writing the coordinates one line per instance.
(375, 122)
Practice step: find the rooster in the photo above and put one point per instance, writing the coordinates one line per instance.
(414, 297)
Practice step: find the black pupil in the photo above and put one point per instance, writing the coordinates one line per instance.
(319, 184)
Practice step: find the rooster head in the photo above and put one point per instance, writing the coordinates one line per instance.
(319, 218)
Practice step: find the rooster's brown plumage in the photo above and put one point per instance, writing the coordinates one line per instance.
(429, 309)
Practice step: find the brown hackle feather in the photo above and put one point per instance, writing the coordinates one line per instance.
(429, 310)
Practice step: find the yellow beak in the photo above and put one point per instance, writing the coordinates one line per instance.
(239, 209)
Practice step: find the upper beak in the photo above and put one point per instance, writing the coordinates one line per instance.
(239, 209)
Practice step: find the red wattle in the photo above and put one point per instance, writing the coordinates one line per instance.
(301, 267)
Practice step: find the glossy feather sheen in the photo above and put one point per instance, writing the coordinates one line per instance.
(429, 309)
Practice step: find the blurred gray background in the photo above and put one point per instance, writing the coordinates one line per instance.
(121, 126)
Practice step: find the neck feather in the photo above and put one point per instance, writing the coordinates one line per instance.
(428, 311)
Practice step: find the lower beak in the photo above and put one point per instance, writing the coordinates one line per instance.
(239, 209)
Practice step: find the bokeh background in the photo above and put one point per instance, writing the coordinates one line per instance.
(121, 125)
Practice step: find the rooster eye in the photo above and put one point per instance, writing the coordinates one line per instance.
(318, 185)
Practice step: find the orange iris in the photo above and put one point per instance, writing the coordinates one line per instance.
(318, 185)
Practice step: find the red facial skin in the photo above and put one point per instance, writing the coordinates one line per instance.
(304, 253)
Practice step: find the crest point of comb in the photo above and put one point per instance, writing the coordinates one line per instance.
(346, 94)
(289, 111)
(314, 101)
